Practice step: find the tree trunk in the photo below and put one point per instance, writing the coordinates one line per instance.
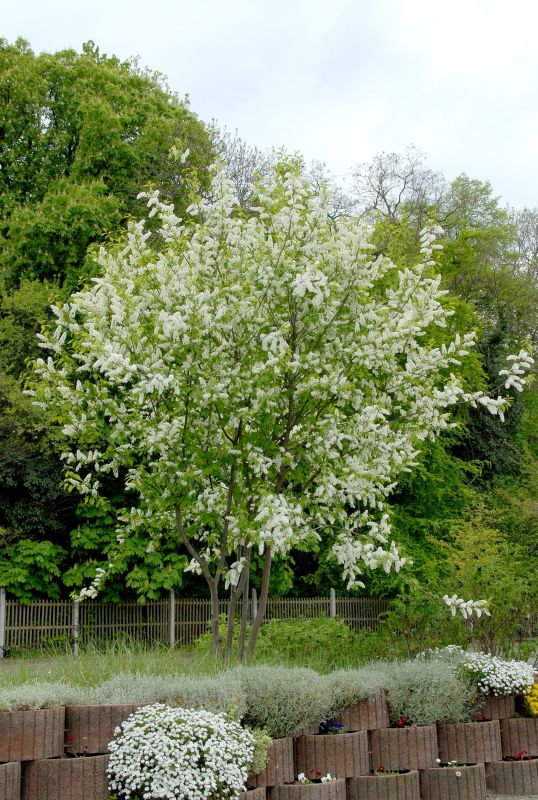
(244, 618)
(215, 628)
(262, 605)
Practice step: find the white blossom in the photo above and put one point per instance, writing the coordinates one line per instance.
(267, 377)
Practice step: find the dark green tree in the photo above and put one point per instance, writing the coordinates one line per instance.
(81, 134)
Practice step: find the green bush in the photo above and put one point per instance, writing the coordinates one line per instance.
(427, 691)
(282, 700)
(39, 694)
(212, 693)
(323, 644)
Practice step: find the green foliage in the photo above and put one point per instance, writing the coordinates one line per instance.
(261, 744)
(29, 568)
(276, 700)
(427, 691)
(418, 621)
(485, 564)
(38, 694)
(322, 643)
(213, 694)
(282, 700)
(82, 134)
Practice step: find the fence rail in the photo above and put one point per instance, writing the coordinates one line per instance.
(176, 620)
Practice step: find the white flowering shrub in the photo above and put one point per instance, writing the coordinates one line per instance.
(163, 753)
(490, 674)
(261, 380)
(496, 676)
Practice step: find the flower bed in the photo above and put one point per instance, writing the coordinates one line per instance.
(402, 786)
(89, 729)
(519, 734)
(66, 779)
(366, 715)
(29, 735)
(280, 765)
(512, 777)
(469, 742)
(332, 790)
(404, 748)
(10, 781)
(464, 782)
(344, 755)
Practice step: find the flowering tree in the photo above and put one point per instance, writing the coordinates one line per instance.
(259, 381)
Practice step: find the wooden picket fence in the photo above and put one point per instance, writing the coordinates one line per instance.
(47, 623)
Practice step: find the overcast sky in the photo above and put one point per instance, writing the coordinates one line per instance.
(337, 80)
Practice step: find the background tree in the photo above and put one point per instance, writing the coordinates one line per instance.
(80, 134)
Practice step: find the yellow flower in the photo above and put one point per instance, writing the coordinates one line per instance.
(532, 700)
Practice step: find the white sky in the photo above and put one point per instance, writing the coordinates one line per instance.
(337, 80)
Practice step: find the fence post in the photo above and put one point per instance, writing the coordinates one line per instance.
(75, 625)
(172, 619)
(3, 609)
(253, 604)
(332, 603)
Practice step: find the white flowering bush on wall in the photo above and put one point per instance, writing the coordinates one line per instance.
(179, 754)
(491, 675)
(260, 381)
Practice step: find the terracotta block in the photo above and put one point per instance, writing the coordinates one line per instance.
(29, 735)
(519, 734)
(10, 781)
(512, 777)
(333, 790)
(280, 766)
(89, 729)
(343, 755)
(404, 748)
(502, 707)
(385, 787)
(254, 794)
(366, 715)
(470, 742)
(66, 779)
(456, 783)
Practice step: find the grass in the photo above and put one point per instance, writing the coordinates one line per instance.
(94, 665)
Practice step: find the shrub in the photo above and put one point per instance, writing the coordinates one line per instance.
(427, 691)
(207, 692)
(489, 674)
(35, 695)
(282, 700)
(163, 753)
(323, 643)
(495, 676)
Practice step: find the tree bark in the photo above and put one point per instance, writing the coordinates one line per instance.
(262, 605)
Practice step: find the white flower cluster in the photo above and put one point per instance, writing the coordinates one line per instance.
(328, 778)
(493, 675)
(498, 677)
(163, 753)
(466, 607)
